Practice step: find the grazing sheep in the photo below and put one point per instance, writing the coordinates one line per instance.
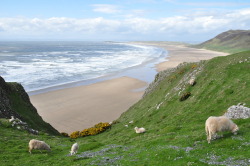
(217, 124)
(40, 145)
(74, 149)
(192, 82)
(139, 130)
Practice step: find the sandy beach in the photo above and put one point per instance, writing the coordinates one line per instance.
(77, 108)
(179, 53)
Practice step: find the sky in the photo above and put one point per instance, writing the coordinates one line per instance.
(121, 20)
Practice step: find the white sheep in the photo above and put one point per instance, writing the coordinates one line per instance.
(74, 149)
(40, 145)
(214, 125)
(192, 82)
(11, 119)
(139, 130)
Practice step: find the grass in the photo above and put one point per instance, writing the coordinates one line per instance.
(175, 131)
(221, 48)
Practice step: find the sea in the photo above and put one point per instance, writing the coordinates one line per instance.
(53, 65)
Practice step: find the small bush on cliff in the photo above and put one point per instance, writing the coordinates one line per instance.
(185, 96)
(64, 134)
(97, 129)
(75, 134)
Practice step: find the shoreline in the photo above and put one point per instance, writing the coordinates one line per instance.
(79, 107)
(179, 53)
(137, 72)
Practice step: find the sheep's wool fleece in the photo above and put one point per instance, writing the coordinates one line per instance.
(74, 147)
(220, 123)
(36, 144)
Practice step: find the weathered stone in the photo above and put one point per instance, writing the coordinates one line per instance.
(238, 111)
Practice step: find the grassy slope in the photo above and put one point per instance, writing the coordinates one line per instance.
(175, 132)
(21, 104)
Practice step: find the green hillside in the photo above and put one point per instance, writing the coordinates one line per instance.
(175, 129)
(231, 41)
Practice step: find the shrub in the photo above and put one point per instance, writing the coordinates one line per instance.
(185, 96)
(194, 66)
(97, 129)
(75, 134)
(64, 134)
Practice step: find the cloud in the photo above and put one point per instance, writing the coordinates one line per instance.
(217, 4)
(105, 8)
(208, 4)
(128, 28)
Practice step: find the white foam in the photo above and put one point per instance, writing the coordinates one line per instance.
(46, 69)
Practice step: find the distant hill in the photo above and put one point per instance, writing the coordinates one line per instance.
(231, 41)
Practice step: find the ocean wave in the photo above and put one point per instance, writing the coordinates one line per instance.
(37, 70)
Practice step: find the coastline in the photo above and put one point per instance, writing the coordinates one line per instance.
(179, 53)
(75, 108)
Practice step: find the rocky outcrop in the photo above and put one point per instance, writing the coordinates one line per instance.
(15, 102)
(5, 104)
(238, 111)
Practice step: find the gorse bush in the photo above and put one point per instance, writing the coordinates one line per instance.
(75, 134)
(97, 129)
(194, 66)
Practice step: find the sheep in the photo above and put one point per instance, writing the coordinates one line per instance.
(139, 130)
(74, 149)
(192, 82)
(214, 125)
(40, 145)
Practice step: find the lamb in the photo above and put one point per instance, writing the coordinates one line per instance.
(74, 149)
(192, 82)
(214, 125)
(139, 130)
(40, 145)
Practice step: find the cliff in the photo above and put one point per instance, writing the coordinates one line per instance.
(14, 101)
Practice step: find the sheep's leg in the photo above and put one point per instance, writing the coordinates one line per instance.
(207, 133)
(210, 136)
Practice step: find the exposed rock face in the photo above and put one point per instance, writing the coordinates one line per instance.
(238, 111)
(5, 104)
(182, 83)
